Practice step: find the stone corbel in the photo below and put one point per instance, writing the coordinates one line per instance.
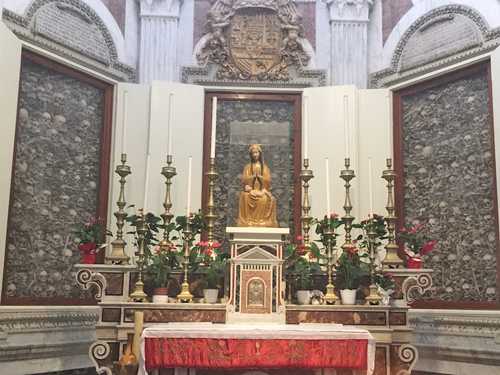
(407, 354)
(98, 353)
(416, 286)
(352, 10)
(87, 278)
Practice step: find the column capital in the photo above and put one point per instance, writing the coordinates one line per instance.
(349, 10)
(160, 8)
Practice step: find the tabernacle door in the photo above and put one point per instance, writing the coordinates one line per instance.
(10, 65)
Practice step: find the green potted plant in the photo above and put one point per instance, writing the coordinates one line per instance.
(90, 234)
(300, 266)
(416, 244)
(215, 262)
(349, 275)
(160, 264)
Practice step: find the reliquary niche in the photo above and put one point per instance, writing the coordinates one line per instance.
(253, 40)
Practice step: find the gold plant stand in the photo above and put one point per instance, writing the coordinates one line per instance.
(138, 295)
(185, 295)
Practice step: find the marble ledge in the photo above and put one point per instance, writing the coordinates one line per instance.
(165, 306)
(344, 308)
(106, 267)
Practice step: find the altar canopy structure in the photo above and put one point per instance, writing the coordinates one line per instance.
(272, 346)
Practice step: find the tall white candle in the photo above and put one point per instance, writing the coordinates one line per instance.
(170, 121)
(305, 127)
(346, 125)
(188, 206)
(370, 185)
(391, 126)
(146, 184)
(214, 126)
(124, 120)
(327, 174)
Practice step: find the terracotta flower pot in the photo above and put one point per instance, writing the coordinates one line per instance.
(160, 295)
(414, 263)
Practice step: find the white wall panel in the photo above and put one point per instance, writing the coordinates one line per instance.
(10, 64)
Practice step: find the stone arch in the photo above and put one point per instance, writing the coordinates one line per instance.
(104, 49)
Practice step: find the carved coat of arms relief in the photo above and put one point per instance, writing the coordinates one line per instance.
(253, 40)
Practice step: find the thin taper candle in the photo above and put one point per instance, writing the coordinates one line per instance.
(346, 125)
(370, 185)
(146, 184)
(214, 126)
(124, 120)
(305, 127)
(170, 121)
(327, 174)
(188, 206)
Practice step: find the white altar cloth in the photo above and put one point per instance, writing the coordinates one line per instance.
(261, 331)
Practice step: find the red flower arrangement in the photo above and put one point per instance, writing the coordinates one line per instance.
(90, 234)
(416, 244)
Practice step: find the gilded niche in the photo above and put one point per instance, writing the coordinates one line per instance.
(254, 40)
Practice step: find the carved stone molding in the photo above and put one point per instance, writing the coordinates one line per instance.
(87, 278)
(30, 28)
(253, 42)
(488, 40)
(408, 354)
(161, 8)
(99, 351)
(416, 286)
(349, 9)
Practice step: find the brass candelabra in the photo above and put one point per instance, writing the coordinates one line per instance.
(392, 258)
(347, 175)
(210, 211)
(330, 296)
(185, 295)
(374, 297)
(169, 172)
(306, 175)
(118, 255)
(138, 295)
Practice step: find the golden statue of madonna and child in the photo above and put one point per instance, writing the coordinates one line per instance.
(257, 206)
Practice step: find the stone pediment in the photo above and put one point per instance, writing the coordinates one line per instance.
(256, 253)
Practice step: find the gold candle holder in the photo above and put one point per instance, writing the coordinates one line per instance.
(210, 213)
(169, 172)
(118, 255)
(392, 258)
(138, 294)
(374, 297)
(185, 295)
(330, 296)
(347, 175)
(306, 175)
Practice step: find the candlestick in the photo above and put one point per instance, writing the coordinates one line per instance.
(124, 120)
(392, 258)
(138, 294)
(306, 129)
(347, 175)
(346, 126)
(374, 297)
(214, 127)
(169, 172)
(185, 295)
(330, 296)
(327, 173)
(306, 174)
(370, 185)
(118, 255)
(210, 211)
(170, 121)
(146, 184)
(188, 206)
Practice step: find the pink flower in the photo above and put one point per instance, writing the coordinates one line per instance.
(428, 247)
(334, 215)
(202, 244)
(215, 245)
(299, 239)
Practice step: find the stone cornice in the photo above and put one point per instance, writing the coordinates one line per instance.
(349, 10)
(160, 8)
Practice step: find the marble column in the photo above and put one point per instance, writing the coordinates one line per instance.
(158, 40)
(349, 41)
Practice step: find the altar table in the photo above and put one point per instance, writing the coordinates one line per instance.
(264, 346)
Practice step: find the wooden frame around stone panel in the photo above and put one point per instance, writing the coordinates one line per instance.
(296, 101)
(481, 67)
(104, 167)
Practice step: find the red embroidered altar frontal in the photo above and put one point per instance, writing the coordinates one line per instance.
(268, 346)
(250, 353)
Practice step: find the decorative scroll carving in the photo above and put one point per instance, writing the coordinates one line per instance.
(407, 354)
(98, 352)
(87, 278)
(254, 40)
(415, 286)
